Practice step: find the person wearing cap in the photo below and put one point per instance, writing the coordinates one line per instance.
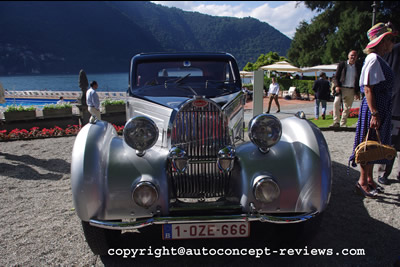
(376, 81)
(92, 100)
(346, 87)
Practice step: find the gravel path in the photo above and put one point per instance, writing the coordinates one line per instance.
(40, 227)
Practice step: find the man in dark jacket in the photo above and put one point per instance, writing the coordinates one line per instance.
(346, 87)
(321, 88)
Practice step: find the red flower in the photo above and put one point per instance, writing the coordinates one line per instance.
(352, 114)
(35, 132)
(119, 129)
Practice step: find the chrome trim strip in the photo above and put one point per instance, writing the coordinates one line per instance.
(202, 219)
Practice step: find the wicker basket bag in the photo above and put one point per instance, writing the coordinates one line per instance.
(369, 150)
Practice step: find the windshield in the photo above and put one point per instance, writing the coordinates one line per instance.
(184, 78)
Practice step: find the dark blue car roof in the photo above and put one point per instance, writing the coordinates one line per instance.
(183, 55)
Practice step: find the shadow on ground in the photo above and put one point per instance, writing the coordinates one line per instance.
(345, 227)
(23, 170)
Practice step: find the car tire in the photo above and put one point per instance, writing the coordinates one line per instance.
(100, 240)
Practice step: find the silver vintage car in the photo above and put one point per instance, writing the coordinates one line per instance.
(187, 160)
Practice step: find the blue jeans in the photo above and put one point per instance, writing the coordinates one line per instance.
(323, 104)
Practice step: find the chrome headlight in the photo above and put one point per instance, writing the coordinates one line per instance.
(140, 133)
(266, 190)
(265, 131)
(226, 157)
(179, 159)
(145, 194)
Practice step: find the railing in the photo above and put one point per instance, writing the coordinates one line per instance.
(71, 95)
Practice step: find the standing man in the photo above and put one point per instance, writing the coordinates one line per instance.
(346, 87)
(322, 91)
(273, 94)
(92, 100)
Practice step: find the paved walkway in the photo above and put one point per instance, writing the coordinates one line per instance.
(291, 107)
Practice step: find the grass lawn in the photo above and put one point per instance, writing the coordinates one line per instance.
(329, 121)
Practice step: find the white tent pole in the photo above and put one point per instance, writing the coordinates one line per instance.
(258, 94)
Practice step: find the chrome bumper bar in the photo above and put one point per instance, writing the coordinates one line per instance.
(202, 219)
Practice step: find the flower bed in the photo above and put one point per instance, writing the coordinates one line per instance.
(36, 132)
(353, 112)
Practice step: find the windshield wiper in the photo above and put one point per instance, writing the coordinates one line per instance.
(152, 82)
(219, 81)
(182, 78)
(189, 88)
(176, 80)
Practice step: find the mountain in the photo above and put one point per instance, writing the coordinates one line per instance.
(102, 36)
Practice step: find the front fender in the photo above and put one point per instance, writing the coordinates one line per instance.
(104, 171)
(299, 163)
(89, 166)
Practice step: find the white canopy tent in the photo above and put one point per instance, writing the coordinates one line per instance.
(321, 68)
(281, 66)
(246, 74)
(331, 67)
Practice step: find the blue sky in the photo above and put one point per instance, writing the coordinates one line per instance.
(284, 16)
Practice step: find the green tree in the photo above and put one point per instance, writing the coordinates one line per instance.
(340, 27)
(263, 60)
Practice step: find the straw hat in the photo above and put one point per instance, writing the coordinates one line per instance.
(377, 32)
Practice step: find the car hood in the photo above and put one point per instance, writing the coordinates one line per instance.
(175, 102)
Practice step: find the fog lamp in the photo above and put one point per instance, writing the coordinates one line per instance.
(226, 158)
(145, 194)
(178, 158)
(266, 190)
(140, 133)
(265, 131)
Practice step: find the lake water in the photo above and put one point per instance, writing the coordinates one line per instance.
(109, 82)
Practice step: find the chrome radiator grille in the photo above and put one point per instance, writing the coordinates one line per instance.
(201, 131)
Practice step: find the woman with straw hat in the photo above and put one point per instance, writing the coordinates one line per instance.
(376, 81)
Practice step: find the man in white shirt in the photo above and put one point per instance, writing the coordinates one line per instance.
(346, 87)
(273, 94)
(92, 100)
(61, 101)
